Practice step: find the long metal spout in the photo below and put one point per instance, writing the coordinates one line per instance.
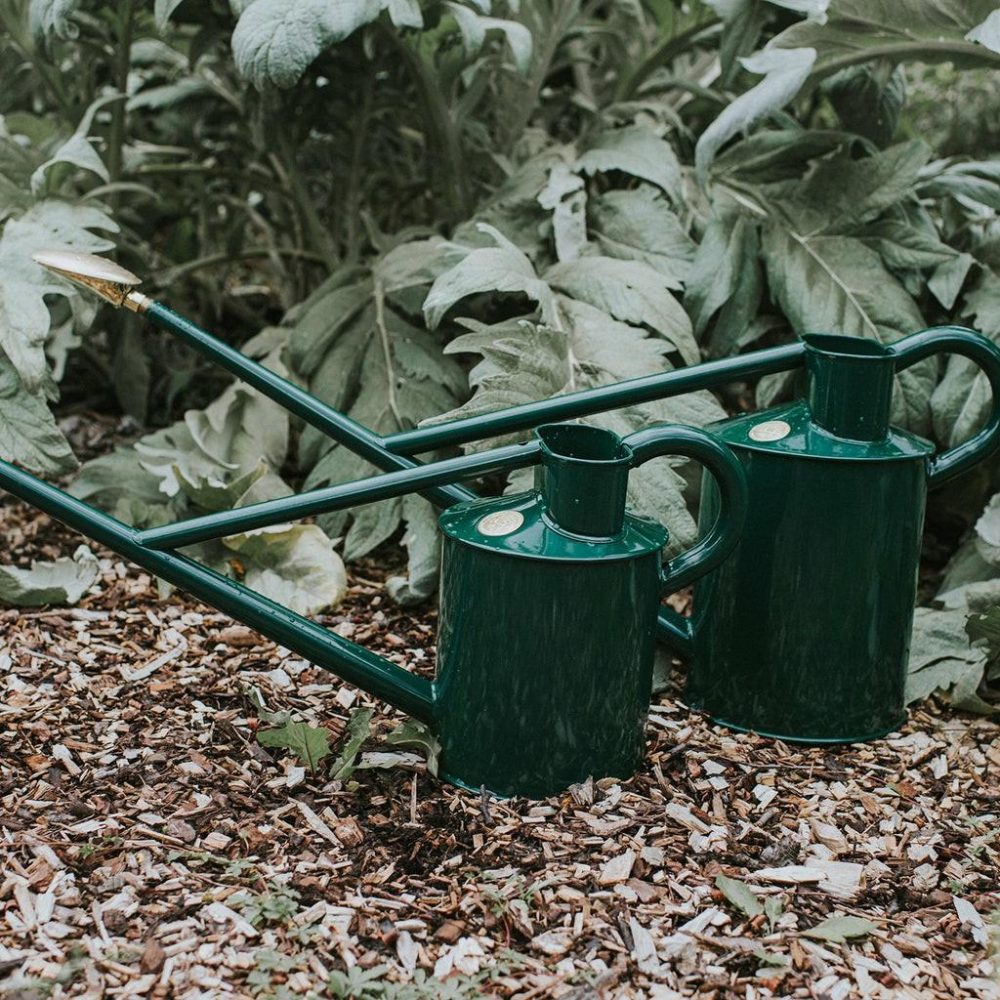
(103, 277)
(408, 692)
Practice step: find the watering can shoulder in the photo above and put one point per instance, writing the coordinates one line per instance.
(788, 430)
(517, 526)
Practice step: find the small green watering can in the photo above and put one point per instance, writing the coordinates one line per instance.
(549, 599)
(811, 614)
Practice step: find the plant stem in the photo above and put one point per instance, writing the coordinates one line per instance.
(443, 140)
(669, 48)
(318, 237)
(116, 138)
(211, 260)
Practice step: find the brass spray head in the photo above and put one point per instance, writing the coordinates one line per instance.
(104, 277)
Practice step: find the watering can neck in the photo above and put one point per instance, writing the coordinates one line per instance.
(850, 386)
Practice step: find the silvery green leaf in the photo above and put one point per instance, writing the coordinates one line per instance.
(726, 281)
(868, 99)
(501, 268)
(784, 71)
(843, 191)
(294, 565)
(988, 32)
(309, 743)
(837, 283)
(28, 432)
(24, 316)
(416, 734)
(638, 224)
(423, 544)
(892, 29)
(904, 246)
(359, 728)
(740, 895)
(976, 181)
(64, 581)
(276, 40)
(942, 659)
(474, 28)
(76, 151)
(840, 928)
(565, 197)
(388, 375)
(638, 151)
(948, 278)
(630, 291)
(52, 17)
(162, 12)
(405, 13)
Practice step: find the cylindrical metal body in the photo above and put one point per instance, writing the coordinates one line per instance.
(811, 614)
(545, 648)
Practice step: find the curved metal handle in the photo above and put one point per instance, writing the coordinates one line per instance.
(985, 354)
(710, 550)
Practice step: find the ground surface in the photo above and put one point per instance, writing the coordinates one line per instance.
(150, 847)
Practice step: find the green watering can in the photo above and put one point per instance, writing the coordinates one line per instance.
(811, 615)
(549, 598)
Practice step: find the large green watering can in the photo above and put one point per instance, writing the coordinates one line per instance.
(810, 617)
(549, 598)
(549, 601)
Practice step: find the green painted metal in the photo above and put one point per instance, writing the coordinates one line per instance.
(548, 608)
(391, 452)
(559, 616)
(330, 421)
(321, 501)
(811, 615)
(354, 664)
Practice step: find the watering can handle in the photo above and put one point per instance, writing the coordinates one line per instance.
(709, 551)
(979, 350)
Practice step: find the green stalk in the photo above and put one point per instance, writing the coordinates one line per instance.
(116, 138)
(447, 159)
(668, 49)
(319, 239)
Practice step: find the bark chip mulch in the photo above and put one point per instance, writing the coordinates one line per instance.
(150, 847)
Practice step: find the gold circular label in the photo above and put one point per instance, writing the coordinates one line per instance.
(770, 430)
(500, 522)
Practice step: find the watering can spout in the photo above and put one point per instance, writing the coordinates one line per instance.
(409, 693)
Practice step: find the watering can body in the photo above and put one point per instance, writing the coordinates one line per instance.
(811, 615)
(546, 648)
(548, 608)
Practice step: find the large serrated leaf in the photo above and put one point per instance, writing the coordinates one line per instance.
(630, 291)
(500, 268)
(784, 72)
(638, 224)
(28, 432)
(293, 564)
(942, 659)
(24, 316)
(309, 743)
(837, 284)
(726, 282)
(638, 151)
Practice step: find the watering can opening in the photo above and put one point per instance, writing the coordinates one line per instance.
(850, 385)
(583, 478)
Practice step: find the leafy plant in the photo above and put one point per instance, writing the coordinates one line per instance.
(309, 743)
(63, 581)
(448, 207)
